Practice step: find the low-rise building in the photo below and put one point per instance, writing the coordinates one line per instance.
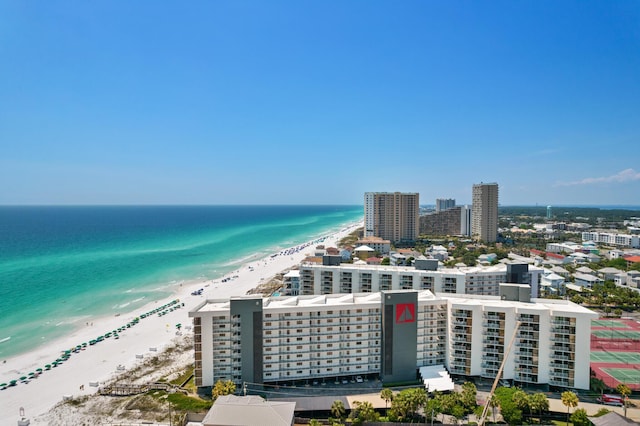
(291, 283)
(586, 280)
(378, 244)
(613, 239)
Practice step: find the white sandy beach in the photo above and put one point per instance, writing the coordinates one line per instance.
(99, 362)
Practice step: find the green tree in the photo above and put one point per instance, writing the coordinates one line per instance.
(337, 410)
(314, 422)
(385, 261)
(579, 418)
(570, 400)
(510, 413)
(493, 403)
(433, 408)
(521, 400)
(625, 391)
(222, 387)
(597, 385)
(363, 412)
(458, 412)
(406, 403)
(387, 395)
(539, 402)
(468, 397)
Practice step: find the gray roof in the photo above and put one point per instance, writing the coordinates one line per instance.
(612, 419)
(231, 410)
(316, 403)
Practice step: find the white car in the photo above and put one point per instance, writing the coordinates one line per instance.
(359, 379)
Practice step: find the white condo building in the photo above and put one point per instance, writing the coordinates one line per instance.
(391, 334)
(358, 278)
(620, 240)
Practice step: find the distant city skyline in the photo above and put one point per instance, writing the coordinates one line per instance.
(316, 103)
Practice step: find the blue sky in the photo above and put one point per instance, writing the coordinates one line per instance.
(305, 102)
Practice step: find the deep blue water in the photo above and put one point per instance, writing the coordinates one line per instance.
(60, 266)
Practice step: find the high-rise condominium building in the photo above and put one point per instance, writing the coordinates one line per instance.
(388, 335)
(484, 217)
(465, 221)
(445, 204)
(392, 216)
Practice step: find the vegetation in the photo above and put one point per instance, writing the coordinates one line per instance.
(387, 395)
(222, 387)
(337, 410)
(625, 391)
(579, 418)
(406, 403)
(570, 400)
(363, 412)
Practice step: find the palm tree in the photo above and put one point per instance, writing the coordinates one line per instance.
(625, 391)
(387, 395)
(539, 402)
(494, 403)
(337, 409)
(520, 399)
(570, 400)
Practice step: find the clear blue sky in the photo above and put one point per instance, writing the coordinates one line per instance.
(304, 102)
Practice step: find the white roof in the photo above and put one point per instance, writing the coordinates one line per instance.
(586, 277)
(363, 248)
(436, 378)
(553, 277)
(575, 287)
(294, 273)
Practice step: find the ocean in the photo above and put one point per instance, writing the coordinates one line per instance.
(61, 266)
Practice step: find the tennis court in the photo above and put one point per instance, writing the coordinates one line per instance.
(616, 334)
(616, 357)
(609, 323)
(624, 375)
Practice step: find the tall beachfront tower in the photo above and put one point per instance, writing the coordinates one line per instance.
(465, 221)
(443, 204)
(548, 212)
(484, 217)
(392, 216)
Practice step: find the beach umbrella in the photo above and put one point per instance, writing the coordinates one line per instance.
(23, 378)
(39, 370)
(47, 367)
(12, 382)
(3, 385)
(32, 374)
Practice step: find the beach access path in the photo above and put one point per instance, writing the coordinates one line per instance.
(98, 363)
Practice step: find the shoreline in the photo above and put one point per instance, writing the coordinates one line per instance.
(97, 363)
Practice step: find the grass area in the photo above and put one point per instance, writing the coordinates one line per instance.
(351, 239)
(184, 376)
(181, 402)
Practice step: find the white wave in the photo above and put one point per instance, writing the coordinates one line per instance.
(6, 339)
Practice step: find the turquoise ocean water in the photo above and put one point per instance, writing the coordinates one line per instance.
(62, 266)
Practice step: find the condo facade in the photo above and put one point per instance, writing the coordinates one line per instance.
(484, 216)
(443, 204)
(392, 216)
(360, 278)
(390, 334)
(613, 239)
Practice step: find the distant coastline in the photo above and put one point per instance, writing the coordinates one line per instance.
(66, 265)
